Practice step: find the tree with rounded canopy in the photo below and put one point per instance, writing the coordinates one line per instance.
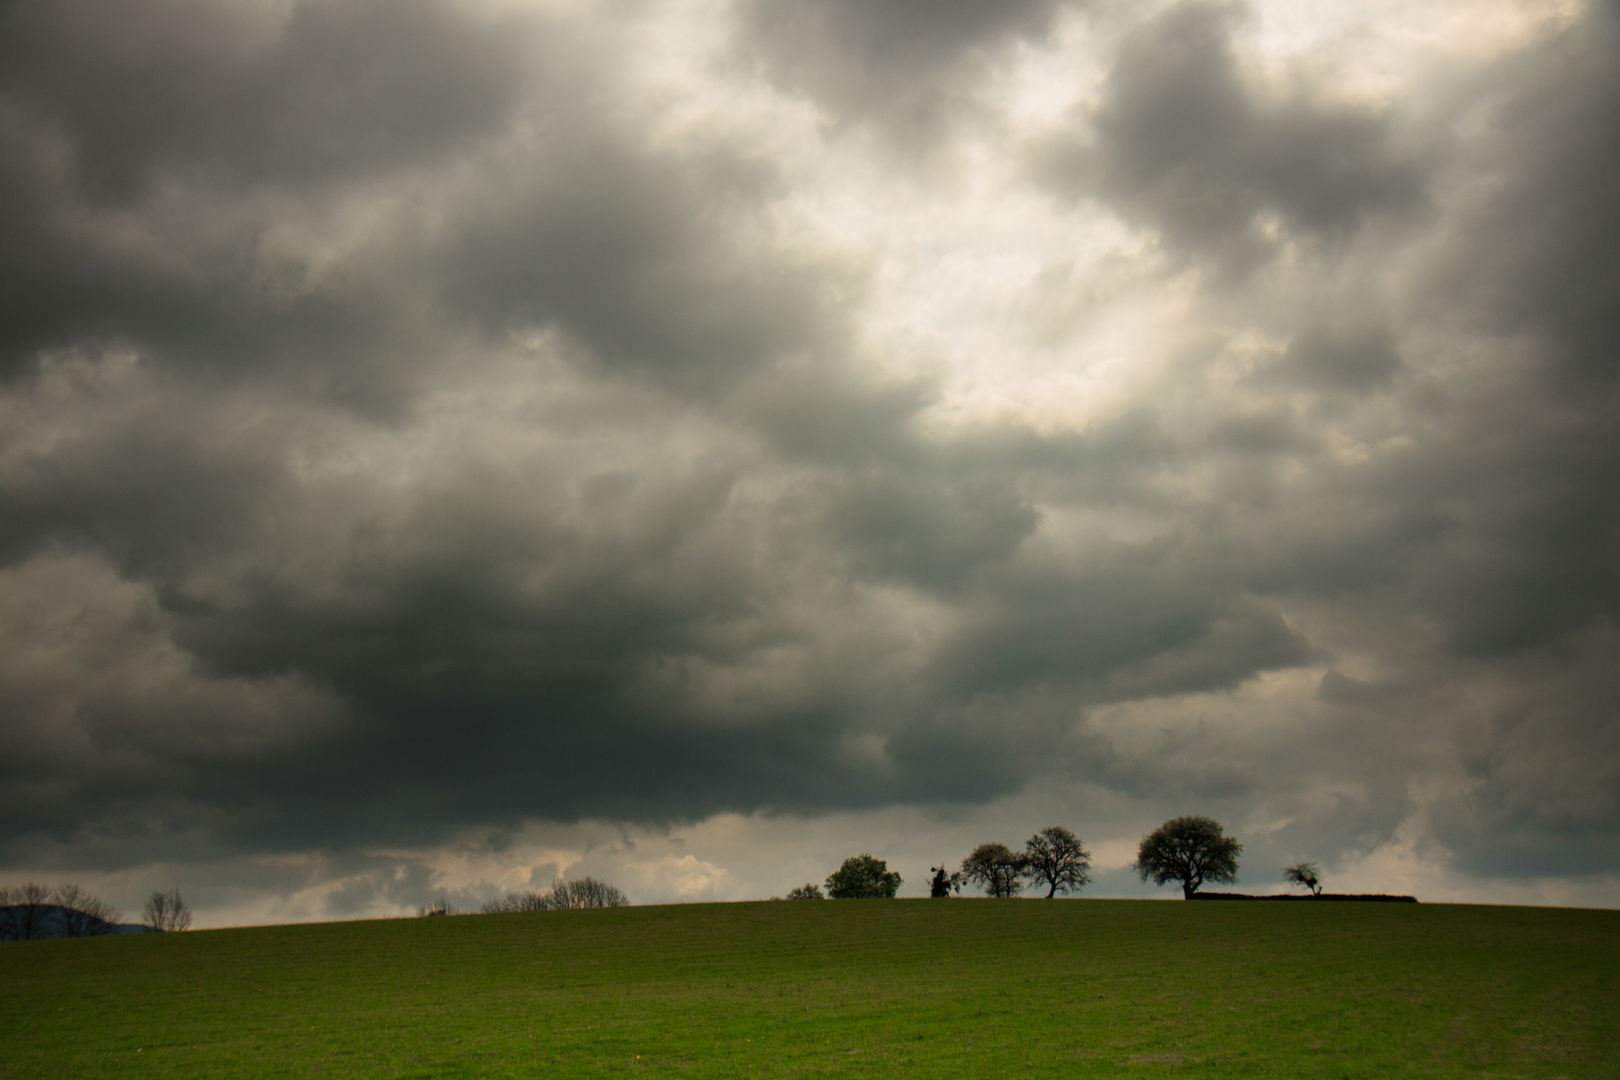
(1307, 874)
(997, 868)
(863, 878)
(1057, 859)
(1191, 850)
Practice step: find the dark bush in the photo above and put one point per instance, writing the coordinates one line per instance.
(863, 878)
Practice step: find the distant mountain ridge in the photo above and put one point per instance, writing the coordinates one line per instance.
(18, 923)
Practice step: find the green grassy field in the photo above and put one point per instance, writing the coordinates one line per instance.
(905, 988)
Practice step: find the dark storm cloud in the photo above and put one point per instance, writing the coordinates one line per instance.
(406, 432)
(906, 64)
(933, 534)
(148, 156)
(1490, 525)
(475, 609)
(1523, 576)
(340, 89)
(1356, 359)
(488, 602)
(152, 493)
(1545, 796)
(636, 256)
(1185, 143)
(1541, 256)
(1131, 624)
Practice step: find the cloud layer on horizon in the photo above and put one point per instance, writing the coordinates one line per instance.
(423, 420)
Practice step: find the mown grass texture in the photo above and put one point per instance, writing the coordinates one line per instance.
(902, 988)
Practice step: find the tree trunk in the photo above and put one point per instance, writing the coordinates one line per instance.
(1187, 889)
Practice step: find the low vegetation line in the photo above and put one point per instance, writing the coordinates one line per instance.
(1377, 898)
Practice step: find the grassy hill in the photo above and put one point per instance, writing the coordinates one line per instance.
(903, 988)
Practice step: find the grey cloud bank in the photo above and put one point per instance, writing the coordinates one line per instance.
(445, 444)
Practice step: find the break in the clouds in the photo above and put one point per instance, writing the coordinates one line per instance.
(444, 445)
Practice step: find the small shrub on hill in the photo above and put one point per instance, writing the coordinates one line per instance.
(945, 883)
(437, 909)
(1307, 874)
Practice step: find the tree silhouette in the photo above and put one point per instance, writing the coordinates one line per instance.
(1306, 874)
(166, 912)
(587, 892)
(945, 882)
(997, 869)
(23, 911)
(1191, 850)
(84, 915)
(1057, 860)
(863, 878)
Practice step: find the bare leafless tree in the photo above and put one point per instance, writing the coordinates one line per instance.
(1058, 860)
(523, 900)
(587, 892)
(85, 915)
(166, 912)
(25, 910)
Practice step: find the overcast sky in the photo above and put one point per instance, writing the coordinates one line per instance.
(446, 444)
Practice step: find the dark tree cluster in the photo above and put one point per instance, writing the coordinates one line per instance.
(1192, 850)
(1053, 859)
(587, 892)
